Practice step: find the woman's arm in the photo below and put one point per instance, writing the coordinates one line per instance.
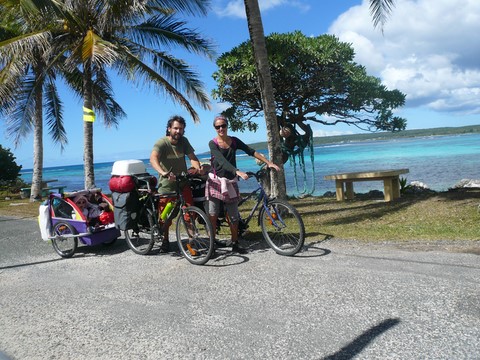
(249, 151)
(261, 157)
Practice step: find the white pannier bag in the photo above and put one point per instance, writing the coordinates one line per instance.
(44, 222)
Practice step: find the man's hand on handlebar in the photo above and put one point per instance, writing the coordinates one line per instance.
(194, 171)
(170, 176)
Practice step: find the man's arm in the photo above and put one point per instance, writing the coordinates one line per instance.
(154, 156)
(195, 162)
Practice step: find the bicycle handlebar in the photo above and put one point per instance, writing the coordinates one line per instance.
(259, 174)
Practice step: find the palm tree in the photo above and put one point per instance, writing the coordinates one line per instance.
(128, 37)
(257, 36)
(24, 84)
(28, 72)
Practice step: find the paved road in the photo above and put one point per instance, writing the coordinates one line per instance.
(336, 300)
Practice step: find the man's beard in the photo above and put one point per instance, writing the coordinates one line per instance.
(176, 136)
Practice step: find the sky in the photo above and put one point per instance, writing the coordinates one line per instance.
(429, 50)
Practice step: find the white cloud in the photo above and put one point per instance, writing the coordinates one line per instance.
(236, 8)
(429, 50)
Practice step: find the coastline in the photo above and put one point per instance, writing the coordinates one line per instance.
(438, 161)
(379, 136)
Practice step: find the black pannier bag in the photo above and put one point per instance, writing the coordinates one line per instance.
(125, 209)
(198, 192)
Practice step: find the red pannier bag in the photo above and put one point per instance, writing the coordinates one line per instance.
(121, 183)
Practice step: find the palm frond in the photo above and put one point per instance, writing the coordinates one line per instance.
(143, 71)
(21, 114)
(54, 114)
(103, 99)
(97, 50)
(380, 10)
(190, 7)
(170, 69)
(164, 31)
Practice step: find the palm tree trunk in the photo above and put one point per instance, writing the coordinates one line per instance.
(257, 37)
(88, 128)
(36, 190)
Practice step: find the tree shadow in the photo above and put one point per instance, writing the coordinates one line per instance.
(349, 212)
(361, 342)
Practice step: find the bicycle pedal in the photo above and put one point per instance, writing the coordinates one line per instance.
(193, 252)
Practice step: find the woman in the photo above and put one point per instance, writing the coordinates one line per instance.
(222, 181)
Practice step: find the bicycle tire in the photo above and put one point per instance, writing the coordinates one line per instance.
(282, 227)
(64, 246)
(142, 239)
(197, 249)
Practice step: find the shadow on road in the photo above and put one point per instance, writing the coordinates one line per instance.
(357, 345)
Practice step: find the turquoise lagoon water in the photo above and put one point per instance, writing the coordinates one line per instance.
(438, 161)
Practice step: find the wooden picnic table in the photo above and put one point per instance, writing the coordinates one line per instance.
(46, 188)
(391, 182)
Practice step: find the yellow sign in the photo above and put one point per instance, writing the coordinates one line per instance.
(88, 115)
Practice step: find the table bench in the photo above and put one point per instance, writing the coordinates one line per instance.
(391, 182)
(46, 189)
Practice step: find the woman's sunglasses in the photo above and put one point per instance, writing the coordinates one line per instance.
(218, 127)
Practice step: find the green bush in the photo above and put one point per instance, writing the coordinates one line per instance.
(10, 174)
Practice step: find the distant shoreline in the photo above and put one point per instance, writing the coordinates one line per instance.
(335, 139)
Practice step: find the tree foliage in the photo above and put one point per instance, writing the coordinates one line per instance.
(10, 170)
(315, 79)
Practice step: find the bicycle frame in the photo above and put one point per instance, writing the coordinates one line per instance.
(263, 199)
(152, 199)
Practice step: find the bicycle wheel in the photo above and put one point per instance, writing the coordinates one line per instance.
(195, 235)
(64, 242)
(142, 238)
(282, 227)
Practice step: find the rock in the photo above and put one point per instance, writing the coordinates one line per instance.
(417, 187)
(329, 194)
(467, 183)
(375, 194)
(372, 194)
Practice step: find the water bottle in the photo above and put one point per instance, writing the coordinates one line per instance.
(166, 211)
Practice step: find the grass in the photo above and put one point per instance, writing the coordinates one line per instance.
(452, 215)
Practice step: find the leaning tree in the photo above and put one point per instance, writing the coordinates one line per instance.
(315, 80)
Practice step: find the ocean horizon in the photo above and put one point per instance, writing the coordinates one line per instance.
(438, 161)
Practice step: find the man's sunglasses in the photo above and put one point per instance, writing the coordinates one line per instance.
(223, 126)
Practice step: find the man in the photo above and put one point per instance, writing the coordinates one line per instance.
(168, 158)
